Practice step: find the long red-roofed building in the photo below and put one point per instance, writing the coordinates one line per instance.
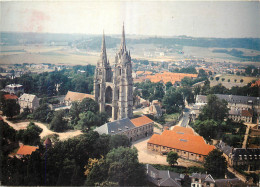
(25, 150)
(181, 140)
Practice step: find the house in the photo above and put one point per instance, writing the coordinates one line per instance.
(181, 140)
(76, 96)
(134, 129)
(164, 177)
(14, 89)
(201, 180)
(25, 150)
(241, 115)
(241, 107)
(249, 158)
(10, 96)
(28, 101)
(155, 109)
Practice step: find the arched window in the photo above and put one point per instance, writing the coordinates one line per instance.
(108, 95)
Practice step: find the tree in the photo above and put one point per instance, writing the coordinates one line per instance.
(124, 167)
(214, 109)
(228, 80)
(172, 158)
(86, 120)
(119, 140)
(223, 79)
(241, 80)
(217, 78)
(11, 108)
(168, 85)
(31, 135)
(42, 113)
(235, 80)
(206, 128)
(172, 101)
(216, 164)
(202, 73)
(58, 123)
(211, 78)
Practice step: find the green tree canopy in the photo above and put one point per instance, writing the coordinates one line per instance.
(119, 140)
(11, 108)
(124, 167)
(42, 113)
(214, 109)
(216, 164)
(87, 119)
(172, 158)
(58, 123)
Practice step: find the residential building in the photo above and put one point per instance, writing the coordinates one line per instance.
(76, 97)
(134, 129)
(113, 90)
(14, 89)
(249, 158)
(181, 140)
(25, 150)
(241, 107)
(164, 177)
(10, 96)
(201, 180)
(28, 101)
(155, 109)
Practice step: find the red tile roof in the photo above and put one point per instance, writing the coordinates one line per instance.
(185, 130)
(247, 113)
(257, 83)
(141, 121)
(26, 150)
(10, 96)
(182, 141)
(76, 96)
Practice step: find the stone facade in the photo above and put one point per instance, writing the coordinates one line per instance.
(113, 90)
(28, 101)
(134, 129)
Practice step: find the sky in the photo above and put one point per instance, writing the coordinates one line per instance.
(222, 19)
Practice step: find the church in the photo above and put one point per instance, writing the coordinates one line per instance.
(113, 87)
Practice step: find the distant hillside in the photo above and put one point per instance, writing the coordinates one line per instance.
(94, 41)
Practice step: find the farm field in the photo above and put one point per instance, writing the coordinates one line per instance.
(232, 82)
(45, 54)
(67, 55)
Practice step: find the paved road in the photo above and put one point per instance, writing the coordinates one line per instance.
(185, 118)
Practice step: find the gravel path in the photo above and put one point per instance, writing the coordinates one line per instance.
(45, 130)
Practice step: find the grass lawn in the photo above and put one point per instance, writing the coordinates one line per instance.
(232, 82)
(171, 117)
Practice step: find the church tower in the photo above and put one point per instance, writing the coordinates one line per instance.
(114, 90)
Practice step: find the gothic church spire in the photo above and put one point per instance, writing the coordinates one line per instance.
(123, 45)
(103, 51)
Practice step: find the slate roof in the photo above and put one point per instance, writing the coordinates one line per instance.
(224, 148)
(163, 177)
(229, 182)
(27, 97)
(232, 99)
(122, 125)
(115, 126)
(245, 153)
